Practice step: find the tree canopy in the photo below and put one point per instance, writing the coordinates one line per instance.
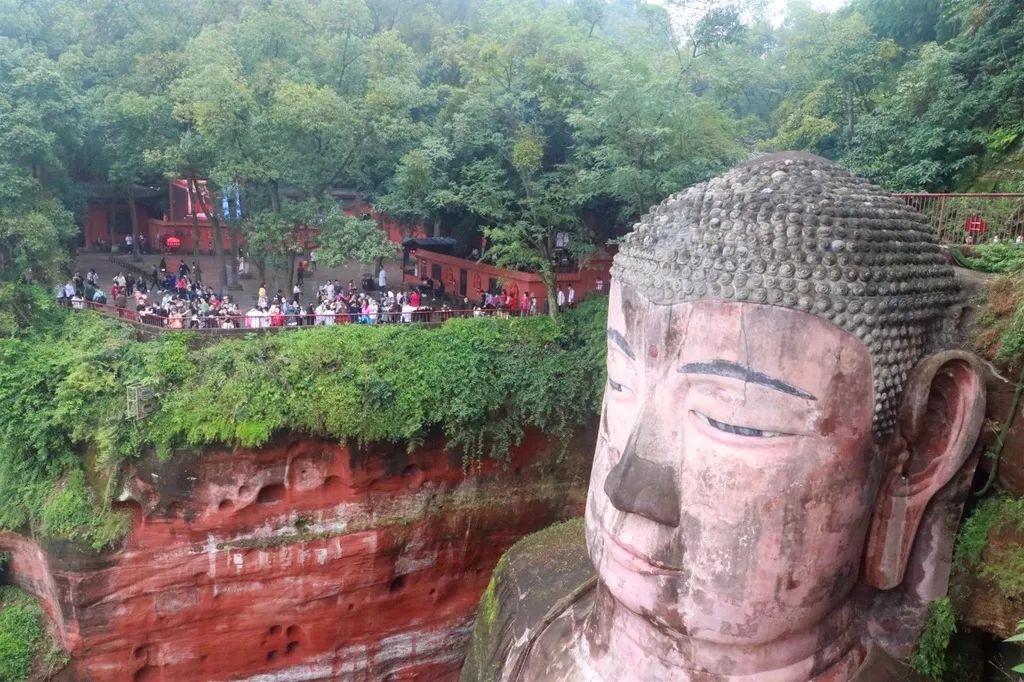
(510, 120)
(918, 95)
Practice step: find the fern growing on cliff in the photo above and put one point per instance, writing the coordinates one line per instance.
(930, 659)
(1017, 639)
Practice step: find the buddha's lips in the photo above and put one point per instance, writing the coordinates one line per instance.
(632, 559)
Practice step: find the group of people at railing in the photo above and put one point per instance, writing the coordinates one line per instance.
(179, 300)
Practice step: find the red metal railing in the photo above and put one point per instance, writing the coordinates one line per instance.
(1002, 214)
(196, 322)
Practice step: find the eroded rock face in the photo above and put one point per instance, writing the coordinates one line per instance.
(1011, 460)
(307, 560)
(1000, 389)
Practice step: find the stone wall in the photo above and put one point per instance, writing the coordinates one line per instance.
(304, 560)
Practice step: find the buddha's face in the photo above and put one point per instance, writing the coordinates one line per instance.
(735, 472)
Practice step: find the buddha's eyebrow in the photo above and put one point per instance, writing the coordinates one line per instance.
(730, 370)
(616, 337)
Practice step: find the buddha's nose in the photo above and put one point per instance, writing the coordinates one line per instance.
(637, 485)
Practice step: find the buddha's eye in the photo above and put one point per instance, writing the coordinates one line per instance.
(614, 385)
(738, 430)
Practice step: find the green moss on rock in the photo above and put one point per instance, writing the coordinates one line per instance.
(488, 611)
(987, 583)
(973, 541)
(932, 652)
(25, 646)
(528, 580)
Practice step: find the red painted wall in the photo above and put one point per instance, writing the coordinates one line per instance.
(479, 275)
(396, 231)
(183, 231)
(95, 227)
(303, 560)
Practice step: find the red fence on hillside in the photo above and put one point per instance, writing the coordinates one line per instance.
(971, 218)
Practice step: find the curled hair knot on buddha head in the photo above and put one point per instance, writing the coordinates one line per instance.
(798, 231)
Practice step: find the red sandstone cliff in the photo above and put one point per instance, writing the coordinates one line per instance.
(307, 560)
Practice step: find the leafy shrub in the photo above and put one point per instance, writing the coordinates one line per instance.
(931, 655)
(1018, 638)
(21, 634)
(1002, 257)
(72, 513)
(480, 382)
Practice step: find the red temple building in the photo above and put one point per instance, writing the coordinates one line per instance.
(465, 277)
(172, 228)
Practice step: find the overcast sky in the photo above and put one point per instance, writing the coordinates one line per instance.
(776, 10)
(778, 7)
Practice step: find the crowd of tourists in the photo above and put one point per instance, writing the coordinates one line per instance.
(177, 298)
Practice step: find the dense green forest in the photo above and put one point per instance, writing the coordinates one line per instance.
(514, 118)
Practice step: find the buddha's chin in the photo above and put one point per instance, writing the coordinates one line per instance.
(666, 597)
(632, 560)
(634, 582)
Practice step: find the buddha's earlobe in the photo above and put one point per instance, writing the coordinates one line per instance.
(941, 412)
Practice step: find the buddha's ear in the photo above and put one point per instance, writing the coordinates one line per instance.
(940, 415)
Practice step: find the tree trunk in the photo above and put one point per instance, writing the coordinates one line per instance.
(193, 192)
(275, 197)
(291, 271)
(233, 281)
(850, 117)
(437, 224)
(275, 206)
(547, 275)
(135, 221)
(218, 250)
(111, 212)
(218, 244)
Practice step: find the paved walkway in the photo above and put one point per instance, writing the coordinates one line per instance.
(210, 274)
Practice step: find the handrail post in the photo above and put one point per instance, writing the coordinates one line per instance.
(942, 217)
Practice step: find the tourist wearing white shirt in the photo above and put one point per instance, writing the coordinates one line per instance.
(252, 318)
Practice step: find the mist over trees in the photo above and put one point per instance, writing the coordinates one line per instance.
(510, 119)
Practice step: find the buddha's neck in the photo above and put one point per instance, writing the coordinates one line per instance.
(617, 641)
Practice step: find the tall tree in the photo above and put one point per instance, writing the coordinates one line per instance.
(39, 112)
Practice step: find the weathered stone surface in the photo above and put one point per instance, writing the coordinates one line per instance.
(999, 387)
(306, 560)
(528, 582)
(1011, 460)
(786, 443)
(980, 601)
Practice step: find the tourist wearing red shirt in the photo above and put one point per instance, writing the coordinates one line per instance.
(276, 317)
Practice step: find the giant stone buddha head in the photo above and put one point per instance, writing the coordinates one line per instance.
(781, 408)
